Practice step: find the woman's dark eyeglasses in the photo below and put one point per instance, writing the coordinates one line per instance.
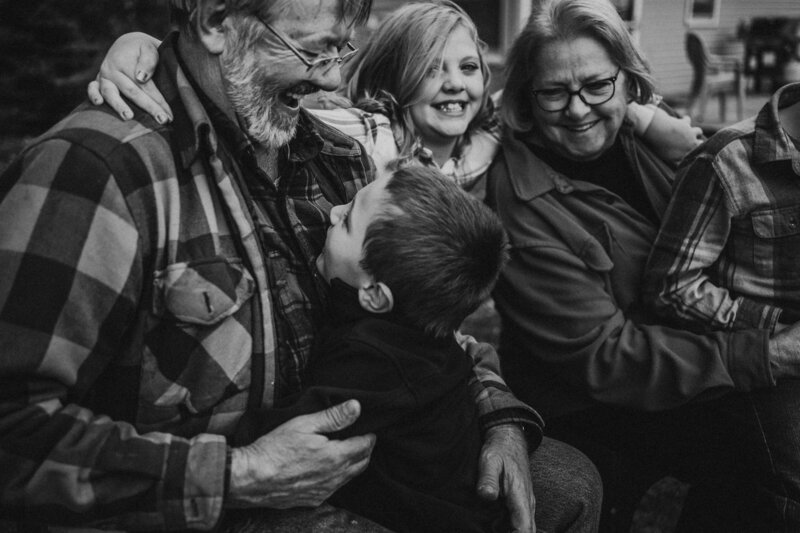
(310, 63)
(592, 93)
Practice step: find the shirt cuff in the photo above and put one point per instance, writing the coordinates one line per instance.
(204, 481)
(528, 420)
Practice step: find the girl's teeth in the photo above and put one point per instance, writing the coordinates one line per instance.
(451, 107)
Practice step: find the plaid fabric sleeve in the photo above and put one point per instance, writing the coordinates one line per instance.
(496, 403)
(70, 279)
(372, 130)
(694, 231)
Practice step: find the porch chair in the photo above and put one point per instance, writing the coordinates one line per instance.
(714, 75)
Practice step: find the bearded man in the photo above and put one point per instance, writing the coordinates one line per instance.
(158, 280)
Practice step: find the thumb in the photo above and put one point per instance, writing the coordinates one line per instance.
(334, 418)
(146, 61)
(489, 478)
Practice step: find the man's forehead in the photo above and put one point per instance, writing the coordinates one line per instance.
(306, 10)
(307, 18)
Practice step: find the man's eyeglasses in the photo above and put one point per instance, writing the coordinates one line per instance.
(317, 61)
(592, 93)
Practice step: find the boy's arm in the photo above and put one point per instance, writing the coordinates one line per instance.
(497, 405)
(671, 137)
(694, 231)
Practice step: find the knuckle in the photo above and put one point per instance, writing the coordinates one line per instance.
(129, 91)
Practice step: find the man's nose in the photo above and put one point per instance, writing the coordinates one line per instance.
(327, 77)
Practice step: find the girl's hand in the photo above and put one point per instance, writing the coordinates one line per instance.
(670, 137)
(127, 70)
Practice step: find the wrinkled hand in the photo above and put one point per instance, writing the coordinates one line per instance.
(504, 469)
(784, 351)
(294, 465)
(127, 69)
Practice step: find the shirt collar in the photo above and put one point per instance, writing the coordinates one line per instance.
(529, 175)
(191, 123)
(344, 307)
(772, 143)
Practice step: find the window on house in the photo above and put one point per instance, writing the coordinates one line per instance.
(486, 16)
(701, 13)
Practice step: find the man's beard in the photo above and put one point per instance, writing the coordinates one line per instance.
(255, 99)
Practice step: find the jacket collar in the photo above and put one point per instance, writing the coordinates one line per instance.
(344, 307)
(529, 176)
(772, 143)
(191, 123)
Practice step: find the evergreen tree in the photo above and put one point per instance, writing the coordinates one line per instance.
(51, 49)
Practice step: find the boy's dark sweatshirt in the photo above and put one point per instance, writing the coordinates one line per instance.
(414, 396)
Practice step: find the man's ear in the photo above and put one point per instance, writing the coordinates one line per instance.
(210, 14)
(376, 297)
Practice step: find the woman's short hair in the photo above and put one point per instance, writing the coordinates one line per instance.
(391, 66)
(564, 20)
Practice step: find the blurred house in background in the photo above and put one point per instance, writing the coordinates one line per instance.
(52, 48)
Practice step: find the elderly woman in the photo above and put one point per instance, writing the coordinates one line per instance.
(581, 198)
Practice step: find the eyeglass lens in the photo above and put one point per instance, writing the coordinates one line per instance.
(593, 93)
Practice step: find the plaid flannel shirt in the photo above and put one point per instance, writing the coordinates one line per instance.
(728, 253)
(144, 303)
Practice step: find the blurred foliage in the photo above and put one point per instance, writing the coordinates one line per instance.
(51, 49)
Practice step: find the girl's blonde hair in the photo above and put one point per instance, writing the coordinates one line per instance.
(394, 62)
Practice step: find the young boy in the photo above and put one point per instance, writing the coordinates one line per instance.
(407, 260)
(728, 253)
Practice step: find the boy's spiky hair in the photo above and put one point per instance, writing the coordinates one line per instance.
(437, 248)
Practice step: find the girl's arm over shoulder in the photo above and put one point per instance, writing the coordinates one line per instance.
(126, 71)
(670, 137)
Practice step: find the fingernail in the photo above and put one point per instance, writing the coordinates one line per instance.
(127, 115)
(351, 407)
(141, 76)
(161, 119)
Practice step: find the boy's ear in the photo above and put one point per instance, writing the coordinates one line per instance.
(376, 297)
(210, 14)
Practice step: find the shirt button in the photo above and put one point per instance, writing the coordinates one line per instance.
(792, 222)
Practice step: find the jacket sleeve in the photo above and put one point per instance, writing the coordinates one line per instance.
(496, 403)
(565, 318)
(70, 281)
(694, 232)
(372, 130)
